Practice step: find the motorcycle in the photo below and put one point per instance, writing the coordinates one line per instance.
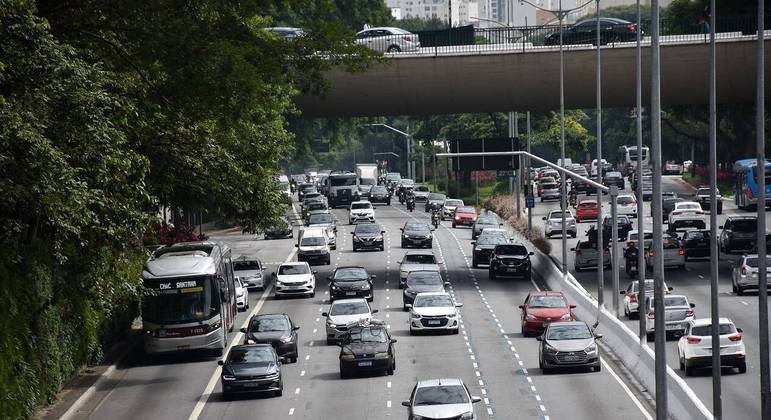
(401, 197)
(436, 218)
(631, 264)
(410, 204)
(573, 197)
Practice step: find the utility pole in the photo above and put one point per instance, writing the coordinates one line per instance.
(640, 218)
(658, 244)
(449, 13)
(516, 180)
(529, 187)
(600, 239)
(563, 202)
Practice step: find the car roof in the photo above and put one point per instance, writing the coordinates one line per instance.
(546, 293)
(281, 315)
(342, 267)
(567, 323)
(251, 346)
(746, 217)
(361, 202)
(293, 263)
(433, 294)
(587, 202)
(438, 382)
(419, 253)
(702, 322)
(352, 300)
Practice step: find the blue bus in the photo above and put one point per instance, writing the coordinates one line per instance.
(746, 183)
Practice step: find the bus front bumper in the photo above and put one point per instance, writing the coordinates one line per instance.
(211, 341)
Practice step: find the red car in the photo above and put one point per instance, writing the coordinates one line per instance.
(542, 308)
(464, 216)
(586, 209)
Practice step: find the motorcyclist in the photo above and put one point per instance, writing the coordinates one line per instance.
(410, 203)
(630, 257)
(573, 196)
(436, 217)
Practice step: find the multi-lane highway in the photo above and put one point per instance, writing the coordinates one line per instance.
(489, 354)
(740, 391)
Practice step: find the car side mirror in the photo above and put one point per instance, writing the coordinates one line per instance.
(352, 233)
(670, 288)
(221, 362)
(531, 253)
(572, 306)
(324, 314)
(473, 242)
(398, 262)
(315, 271)
(374, 311)
(623, 292)
(521, 306)
(243, 330)
(447, 283)
(329, 278)
(475, 399)
(296, 245)
(406, 403)
(543, 218)
(739, 330)
(374, 276)
(283, 359)
(458, 305)
(273, 274)
(393, 340)
(408, 306)
(693, 305)
(720, 227)
(597, 336)
(401, 229)
(539, 338)
(572, 249)
(295, 328)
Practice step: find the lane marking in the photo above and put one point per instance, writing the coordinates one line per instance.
(627, 390)
(291, 411)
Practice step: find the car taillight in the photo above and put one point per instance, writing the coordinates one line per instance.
(744, 270)
(681, 251)
(633, 298)
(629, 243)
(651, 253)
(735, 337)
(689, 312)
(632, 27)
(693, 340)
(677, 213)
(651, 315)
(749, 193)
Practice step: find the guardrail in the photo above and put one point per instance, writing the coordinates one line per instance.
(577, 36)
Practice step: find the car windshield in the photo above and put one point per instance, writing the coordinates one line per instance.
(671, 301)
(293, 269)
(549, 186)
(367, 335)
(351, 274)
(511, 250)
(671, 243)
(465, 210)
(437, 395)
(367, 181)
(367, 228)
(706, 330)
(587, 205)
(419, 259)
(487, 221)
(269, 324)
(359, 206)
(379, 190)
(706, 191)
(558, 215)
(453, 203)
(251, 355)
(312, 241)
(422, 188)
(568, 332)
(246, 265)
(319, 219)
(633, 236)
(432, 301)
(689, 206)
(424, 278)
(492, 240)
(316, 205)
(547, 302)
(625, 200)
(749, 225)
(349, 308)
(435, 196)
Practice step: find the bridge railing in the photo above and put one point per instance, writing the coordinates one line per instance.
(577, 36)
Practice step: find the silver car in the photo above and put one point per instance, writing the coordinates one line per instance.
(745, 274)
(388, 39)
(250, 271)
(678, 312)
(343, 312)
(448, 209)
(554, 223)
(550, 191)
(416, 261)
(586, 256)
(674, 254)
(446, 398)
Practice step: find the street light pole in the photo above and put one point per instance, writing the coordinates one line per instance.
(639, 169)
(529, 187)
(563, 203)
(600, 236)
(408, 138)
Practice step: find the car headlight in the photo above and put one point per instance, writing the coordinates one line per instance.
(227, 377)
(416, 315)
(330, 324)
(530, 317)
(403, 273)
(279, 283)
(381, 355)
(566, 317)
(334, 287)
(549, 349)
(379, 238)
(428, 236)
(347, 357)
(286, 339)
(453, 315)
(467, 416)
(591, 348)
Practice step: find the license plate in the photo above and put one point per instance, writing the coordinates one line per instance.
(251, 385)
(365, 363)
(511, 270)
(350, 293)
(433, 322)
(571, 358)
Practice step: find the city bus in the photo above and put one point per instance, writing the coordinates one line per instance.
(627, 158)
(746, 183)
(190, 301)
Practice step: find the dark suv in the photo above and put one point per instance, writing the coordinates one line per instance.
(703, 198)
(351, 282)
(739, 233)
(614, 178)
(510, 260)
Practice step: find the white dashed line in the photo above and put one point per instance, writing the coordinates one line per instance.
(291, 411)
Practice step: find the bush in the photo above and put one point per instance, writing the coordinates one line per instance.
(504, 207)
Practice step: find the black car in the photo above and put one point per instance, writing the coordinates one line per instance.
(380, 194)
(614, 178)
(368, 236)
(585, 32)
(568, 344)
(696, 244)
(623, 223)
(739, 233)
(703, 197)
(483, 248)
(667, 205)
(315, 207)
(278, 330)
(510, 260)
(421, 281)
(367, 348)
(435, 201)
(251, 368)
(417, 234)
(351, 282)
(484, 222)
(282, 229)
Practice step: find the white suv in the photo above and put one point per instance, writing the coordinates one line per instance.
(434, 311)
(553, 223)
(361, 211)
(295, 278)
(695, 346)
(687, 214)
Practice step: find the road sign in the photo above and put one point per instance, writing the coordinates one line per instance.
(505, 173)
(486, 163)
(529, 201)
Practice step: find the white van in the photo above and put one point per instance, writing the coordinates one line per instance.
(313, 246)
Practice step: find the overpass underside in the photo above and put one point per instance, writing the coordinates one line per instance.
(529, 81)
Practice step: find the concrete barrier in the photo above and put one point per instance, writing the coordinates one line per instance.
(683, 402)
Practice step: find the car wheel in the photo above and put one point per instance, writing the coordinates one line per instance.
(343, 374)
(404, 308)
(597, 368)
(474, 263)
(279, 392)
(627, 313)
(412, 332)
(720, 210)
(739, 291)
(742, 367)
(688, 370)
(453, 225)
(578, 268)
(456, 331)
(492, 274)
(355, 249)
(573, 235)
(682, 363)
(733, 287)
(395, 49)
(686, 257)
(390, 370)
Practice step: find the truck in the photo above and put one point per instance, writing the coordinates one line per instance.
(366, 174)
(342, 189)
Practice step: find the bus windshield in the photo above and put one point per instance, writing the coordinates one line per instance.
(338, 181)
(180, 301)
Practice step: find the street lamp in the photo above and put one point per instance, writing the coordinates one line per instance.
(407, 137)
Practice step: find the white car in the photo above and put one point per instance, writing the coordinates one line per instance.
(250, 271)
(388, 39)
(626, 204)
(361, 211)
(242, 295)
(677, 313)
(448, 209)
(416, 261)
(295, 278)
(632, 296)
(687, 214)
(694, 349)
(553, 223)
(434, 311)
(343, 312)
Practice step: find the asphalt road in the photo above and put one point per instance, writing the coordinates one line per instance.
(741, 392)
(490, 354)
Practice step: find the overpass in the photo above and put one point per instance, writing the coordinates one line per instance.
(524, 77)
